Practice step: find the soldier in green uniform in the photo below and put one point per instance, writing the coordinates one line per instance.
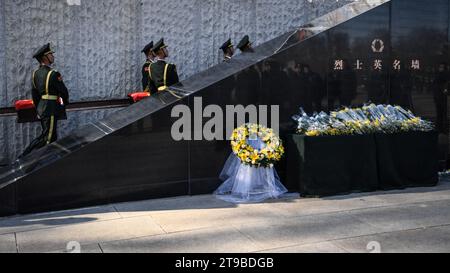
(49, 95)
(228, 50)
(147, 84)
(245, 45)
(163, 74)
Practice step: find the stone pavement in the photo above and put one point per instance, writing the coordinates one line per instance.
(412, 220)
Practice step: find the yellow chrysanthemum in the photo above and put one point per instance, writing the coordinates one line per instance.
(247, 154)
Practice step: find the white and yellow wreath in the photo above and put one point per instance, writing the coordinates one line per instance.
(266, 157)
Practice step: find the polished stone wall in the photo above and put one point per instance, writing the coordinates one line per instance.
(131, 155)
(98, 44)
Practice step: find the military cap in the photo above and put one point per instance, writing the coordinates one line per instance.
(44, 50)
(226, 45)
(159, 45)
(147, 48)
(244, 42)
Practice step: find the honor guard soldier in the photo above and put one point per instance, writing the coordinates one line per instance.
(162, 73)
(49, 96)
(228, 50)
(147, 84)
(245, 45)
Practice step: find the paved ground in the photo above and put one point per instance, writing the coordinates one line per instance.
(413, 220)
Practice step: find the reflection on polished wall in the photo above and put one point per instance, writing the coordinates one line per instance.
(396, 53)
(98, 44)
(384, 56)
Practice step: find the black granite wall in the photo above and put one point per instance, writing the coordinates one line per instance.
(390, 54)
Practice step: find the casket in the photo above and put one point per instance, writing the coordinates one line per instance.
(138, 96)
(26, 111)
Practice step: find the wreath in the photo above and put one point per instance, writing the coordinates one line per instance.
(270, 151)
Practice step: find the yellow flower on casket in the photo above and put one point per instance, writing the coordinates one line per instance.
(333, 131)
(313, 133)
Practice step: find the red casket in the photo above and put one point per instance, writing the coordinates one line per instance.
(138, 96)
(24, 105)
(26, 111)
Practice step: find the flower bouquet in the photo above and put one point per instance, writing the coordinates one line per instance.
(369, 119)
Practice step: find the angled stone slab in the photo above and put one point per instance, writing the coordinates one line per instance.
(55, 219)
(411, 216)
(86, 234)
(167, 205)
(8, 243)
(180, 220)
(357, 201)
(414, 195)
(305, 207)
(219, 240)
(305, 230)
(426, 240)
(324, 247)
(84, 249)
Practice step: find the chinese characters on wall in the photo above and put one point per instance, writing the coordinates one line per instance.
(377, 64)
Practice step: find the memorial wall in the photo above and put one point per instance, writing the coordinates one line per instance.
(98, 45)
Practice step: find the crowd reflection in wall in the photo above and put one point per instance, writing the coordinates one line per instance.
(271, 81)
